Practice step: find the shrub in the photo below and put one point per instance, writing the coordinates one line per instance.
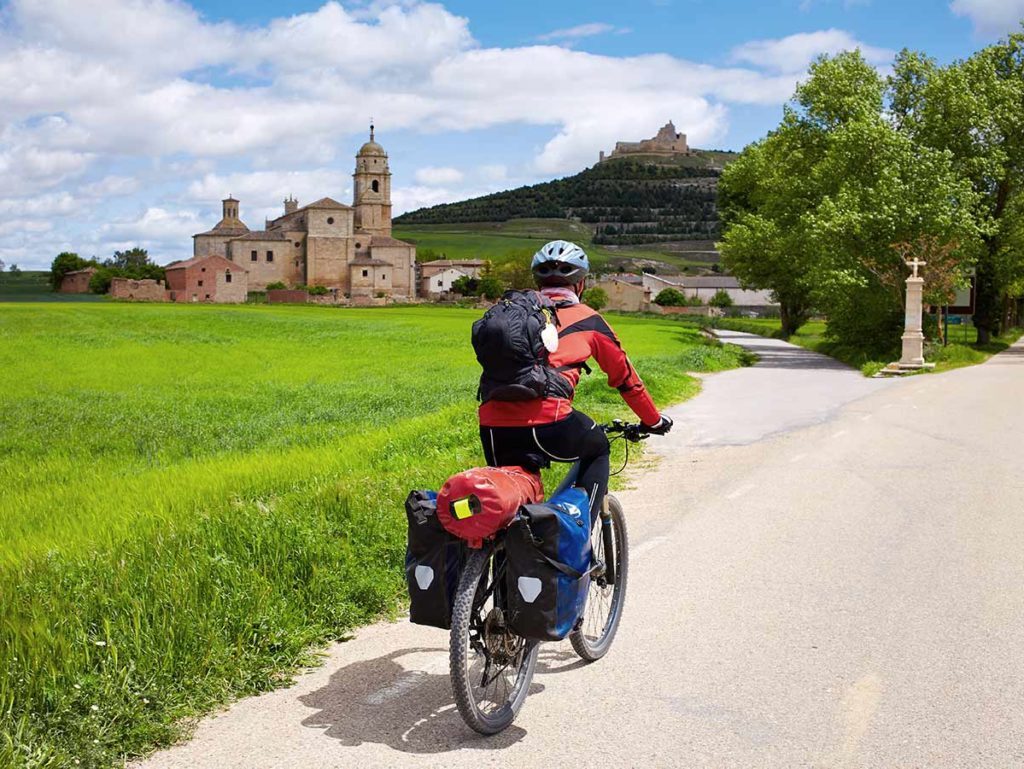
(277, 285)
(317, 290)
(100, 281)
(595, 298)
(466, 286)
(490, 288)
(64, 263)
(670, 297)
(721, 299)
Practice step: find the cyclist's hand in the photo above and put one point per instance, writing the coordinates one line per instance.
(662, 426)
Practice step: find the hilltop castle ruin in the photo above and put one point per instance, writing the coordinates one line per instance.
(666, 142)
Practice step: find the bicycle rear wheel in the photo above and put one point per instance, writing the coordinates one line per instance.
(491, 667)
(605, 598)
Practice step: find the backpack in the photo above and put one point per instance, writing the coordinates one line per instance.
(548, 561)
(477, 503)
(511, 350)
(433, 563)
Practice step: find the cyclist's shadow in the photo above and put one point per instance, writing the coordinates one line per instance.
(408, 707)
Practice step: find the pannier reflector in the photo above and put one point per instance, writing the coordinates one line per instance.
(529, 588)
(424, 576)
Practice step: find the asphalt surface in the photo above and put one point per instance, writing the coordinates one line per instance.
(826, 571)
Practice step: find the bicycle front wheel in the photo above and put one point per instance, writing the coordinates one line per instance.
(607, 591)
(491, 667)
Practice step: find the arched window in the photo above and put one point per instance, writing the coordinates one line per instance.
(375, 185)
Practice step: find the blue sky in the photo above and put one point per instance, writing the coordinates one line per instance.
(123, 122)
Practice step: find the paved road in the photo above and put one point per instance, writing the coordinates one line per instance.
(827, 572)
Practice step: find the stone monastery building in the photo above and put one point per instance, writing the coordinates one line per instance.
(666, 142)
(324, 243)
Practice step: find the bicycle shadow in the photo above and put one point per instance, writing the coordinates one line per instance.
(409, 707)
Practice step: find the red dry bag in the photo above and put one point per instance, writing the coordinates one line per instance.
(477, 503)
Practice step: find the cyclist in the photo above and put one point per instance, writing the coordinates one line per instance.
(532, 433)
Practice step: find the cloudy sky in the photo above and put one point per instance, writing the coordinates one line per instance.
(124, 122)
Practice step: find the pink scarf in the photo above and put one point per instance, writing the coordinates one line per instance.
(560, 294)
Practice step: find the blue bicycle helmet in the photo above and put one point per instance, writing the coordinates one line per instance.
(560, 263)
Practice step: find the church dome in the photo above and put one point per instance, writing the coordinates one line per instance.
(371, 147)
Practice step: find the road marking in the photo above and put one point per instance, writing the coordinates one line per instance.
(648, 545)
(839, 434)
(797, 458)
(740, 491)
(859, 705)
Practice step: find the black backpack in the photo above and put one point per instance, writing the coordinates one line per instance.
(508, 344)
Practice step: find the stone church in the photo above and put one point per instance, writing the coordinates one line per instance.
(325, 243)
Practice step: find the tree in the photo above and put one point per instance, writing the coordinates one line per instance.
(815, 211)
(595, 297)
(63, 263)
(763, 198)
(971, 109)
(465, 285)
(721, 299)
(134, 258)
(515, 272)
(490, 288)
(14, 270)
(2, 265)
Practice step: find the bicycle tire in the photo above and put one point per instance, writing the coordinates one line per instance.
(592, 646)
(463, 654)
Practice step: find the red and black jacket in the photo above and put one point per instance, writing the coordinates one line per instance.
(582, 334)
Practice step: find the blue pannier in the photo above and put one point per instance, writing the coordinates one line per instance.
(433, 562)
(548, 566)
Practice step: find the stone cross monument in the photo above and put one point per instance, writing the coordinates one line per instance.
(913, 337)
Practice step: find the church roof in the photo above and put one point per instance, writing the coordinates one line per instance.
(215, 258)
(384, 241)
(263, 235)
(364, 262)
(222, 229)
(325, 203)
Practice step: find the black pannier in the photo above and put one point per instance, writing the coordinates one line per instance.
(433, 562)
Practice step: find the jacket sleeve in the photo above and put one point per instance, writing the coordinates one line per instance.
(612, 359)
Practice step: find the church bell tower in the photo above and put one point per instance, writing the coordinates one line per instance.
(371, 184)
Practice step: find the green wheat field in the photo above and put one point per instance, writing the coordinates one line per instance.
(193, 498)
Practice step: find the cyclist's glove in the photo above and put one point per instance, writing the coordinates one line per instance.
(662, 426)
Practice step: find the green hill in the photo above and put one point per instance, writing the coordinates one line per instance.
(625, 201)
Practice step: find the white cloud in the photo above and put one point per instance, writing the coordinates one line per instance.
(794, 53)
(991, 18)
(107, 99)
(433, 176)
(410, 198)
(111, 187)
(155, 228)
(581, 31)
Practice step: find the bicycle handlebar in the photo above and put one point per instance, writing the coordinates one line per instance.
(633, 432)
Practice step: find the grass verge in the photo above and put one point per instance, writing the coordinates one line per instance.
(193, 497)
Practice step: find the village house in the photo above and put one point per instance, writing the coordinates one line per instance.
(437, 277)
(324, 243)
(207, 279)
(635, 293)
(77, 281)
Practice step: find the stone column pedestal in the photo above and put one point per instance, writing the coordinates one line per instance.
(913, 337)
